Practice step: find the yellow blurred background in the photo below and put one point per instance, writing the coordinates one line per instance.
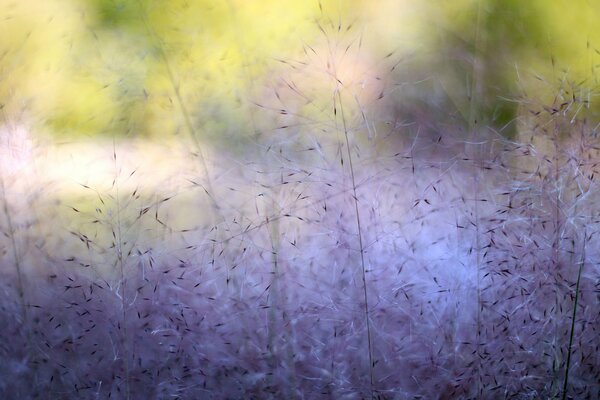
(85, 68)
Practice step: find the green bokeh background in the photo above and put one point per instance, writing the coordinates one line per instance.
(86, 68)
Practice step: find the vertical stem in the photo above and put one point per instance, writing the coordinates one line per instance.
(16, 256)
(473, 116)
(360, 242)
(273, 294)
(556, 244)
(337, 93)
(122, 278)
(278, 300)
(572, 334)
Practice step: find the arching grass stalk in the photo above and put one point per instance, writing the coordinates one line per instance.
(217, 216)
(182, 106)
(572, 334)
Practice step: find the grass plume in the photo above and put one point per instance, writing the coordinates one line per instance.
(349, 252)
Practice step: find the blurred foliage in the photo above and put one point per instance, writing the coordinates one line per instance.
(481, 58)
(478, 60)
(127, 67)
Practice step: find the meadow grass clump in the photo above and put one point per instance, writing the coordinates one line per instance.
(539, 239)
(346, 255)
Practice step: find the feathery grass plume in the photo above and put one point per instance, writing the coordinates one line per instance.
(353, 250)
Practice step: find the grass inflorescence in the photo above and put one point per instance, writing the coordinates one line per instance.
(349, 253)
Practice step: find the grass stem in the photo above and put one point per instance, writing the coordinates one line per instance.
(361, 245)
(573, 318)
(15, 250)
